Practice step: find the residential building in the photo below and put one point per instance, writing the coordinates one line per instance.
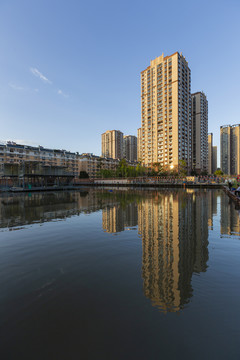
(166, 112)
(16, 160)
(225, 148)
(17, 154)
(130, 147)
(92, 164)
(230, 149)
(200, 132)
(210, 153)
(112, 144)
(235, 149)
(214, 159)
(139, 144)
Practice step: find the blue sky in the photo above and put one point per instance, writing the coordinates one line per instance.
(70, 70)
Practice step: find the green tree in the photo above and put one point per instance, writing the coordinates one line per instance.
(218, 172)
(122, 168)
(105, 173)
(182, 168)
(140, 170)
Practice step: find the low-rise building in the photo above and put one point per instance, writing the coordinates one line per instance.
(23, 160)
(93, 164)
(13, 154)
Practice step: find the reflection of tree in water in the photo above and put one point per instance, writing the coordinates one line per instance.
(28, 208)
(174, 230)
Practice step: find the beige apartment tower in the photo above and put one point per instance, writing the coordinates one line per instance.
(166, 112)
(230, 149)
(200, 132)
(112, 144)
(139, 144)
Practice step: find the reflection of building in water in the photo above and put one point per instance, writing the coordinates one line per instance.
(112, 219)
(212, 205)
(199, 240)
(174, 231)
(230, 217)
(116, 218)
(131, 215)
(160, 249)
(28, 208)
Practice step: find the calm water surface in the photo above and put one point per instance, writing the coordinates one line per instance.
(122, 274)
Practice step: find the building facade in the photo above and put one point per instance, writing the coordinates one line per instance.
(16, 159)
(210, 153)
(17, 154)
(112, 144)
(166, 112)
(93, 164)
(200, 132)
(230, 149)
(139, 144)
(235, 149)
(130, 147)
(214, 159)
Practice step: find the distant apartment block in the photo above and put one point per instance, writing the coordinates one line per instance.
(230, 149)
(92, 164)
(200, 132)
(225, 148)
(112, 144)
(139, 144)
(210, 153)
(166, 112)
(130, 147)
(214, 159)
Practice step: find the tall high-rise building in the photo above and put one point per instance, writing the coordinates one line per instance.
(225, 148)
(230, 149)
(214, 159)
(139, 144)
(112, 144)
(235, 149)
(210, 153)
(166, 112)
(130, 147)
(199, 132)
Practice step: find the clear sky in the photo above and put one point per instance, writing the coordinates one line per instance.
(70, 70)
